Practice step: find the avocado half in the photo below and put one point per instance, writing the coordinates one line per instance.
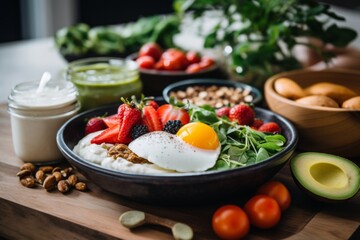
(326, 177)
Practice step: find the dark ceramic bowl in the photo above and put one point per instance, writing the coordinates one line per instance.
(182, 85)
(154, 81)
(185, 188)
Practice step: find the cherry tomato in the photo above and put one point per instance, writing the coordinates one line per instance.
(230, 222)
(193, 57)
(193, 68)
(174, 60)
(206, 62)
(278, 191)
(263, 211)
(145, 62)
(151, 49)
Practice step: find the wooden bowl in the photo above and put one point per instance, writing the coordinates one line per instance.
(322, 129)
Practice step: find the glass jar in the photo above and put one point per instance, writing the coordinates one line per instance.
(104, 80)
(37, 116)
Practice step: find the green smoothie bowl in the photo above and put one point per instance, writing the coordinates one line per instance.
(104, 80)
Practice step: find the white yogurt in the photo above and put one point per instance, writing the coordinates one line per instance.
(98, 154)
(37, 116)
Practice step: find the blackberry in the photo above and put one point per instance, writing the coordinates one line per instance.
(138, 130)
(172, 126)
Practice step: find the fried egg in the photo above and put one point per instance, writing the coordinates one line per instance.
(195, 148)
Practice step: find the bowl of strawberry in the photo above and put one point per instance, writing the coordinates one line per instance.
(161, 67)
(175, 154)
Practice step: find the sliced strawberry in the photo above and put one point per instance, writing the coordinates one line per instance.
(94, 124)
(271, 127)
(109, 135)
(242, 114)
(153, 104)
(151, 119)
(168, 112)
(128, 117)
(112, 120)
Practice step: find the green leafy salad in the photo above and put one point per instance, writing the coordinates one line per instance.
(240, 145)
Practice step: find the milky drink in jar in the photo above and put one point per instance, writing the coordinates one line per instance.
(36, 117)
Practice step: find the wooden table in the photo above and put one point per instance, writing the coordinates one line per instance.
(37, 214)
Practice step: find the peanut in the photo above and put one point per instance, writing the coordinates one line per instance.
(72, 180)
(81, 186)
(40, 176)
(28, 181)
(63, 186)
(49, 183)
(28, 166)
(24, 173)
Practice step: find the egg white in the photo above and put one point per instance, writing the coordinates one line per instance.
(171, 152)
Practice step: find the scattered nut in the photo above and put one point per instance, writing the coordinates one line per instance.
(40, 176)
(58, 176)
(28, 166)
(24, 173)
(72, 179)
(28, 181)
(81, 186)
(49, 183)
(63, 186)
(66, 172)
(56, 169)
(49, 177)
(46, 169)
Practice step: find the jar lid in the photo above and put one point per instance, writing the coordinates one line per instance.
(56, 94)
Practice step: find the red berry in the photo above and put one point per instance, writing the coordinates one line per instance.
(271, 127)
(109, 135)
(94, 124)
(153, 104)
(111, 120)
(128, 118)
(257, 123)
(168, 112)
(243, 114)
(151, 119)
(224, 111)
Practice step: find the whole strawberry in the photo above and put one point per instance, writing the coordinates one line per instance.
(271, 127)
(242, 114)
(94, 124)
(224, 111)
(257, 123)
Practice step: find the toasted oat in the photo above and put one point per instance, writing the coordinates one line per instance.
(122, 150)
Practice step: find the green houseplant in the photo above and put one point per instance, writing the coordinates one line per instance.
(260, 35)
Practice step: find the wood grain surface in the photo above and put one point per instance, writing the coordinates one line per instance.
(37, 214)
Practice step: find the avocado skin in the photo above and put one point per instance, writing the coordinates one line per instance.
(308, 191)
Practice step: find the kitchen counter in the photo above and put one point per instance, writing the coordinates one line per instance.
(37, 214)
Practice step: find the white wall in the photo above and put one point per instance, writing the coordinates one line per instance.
(42, 18)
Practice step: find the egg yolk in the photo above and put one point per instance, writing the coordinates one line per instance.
(199, 135)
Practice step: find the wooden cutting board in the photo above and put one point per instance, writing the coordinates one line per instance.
(37, 214)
